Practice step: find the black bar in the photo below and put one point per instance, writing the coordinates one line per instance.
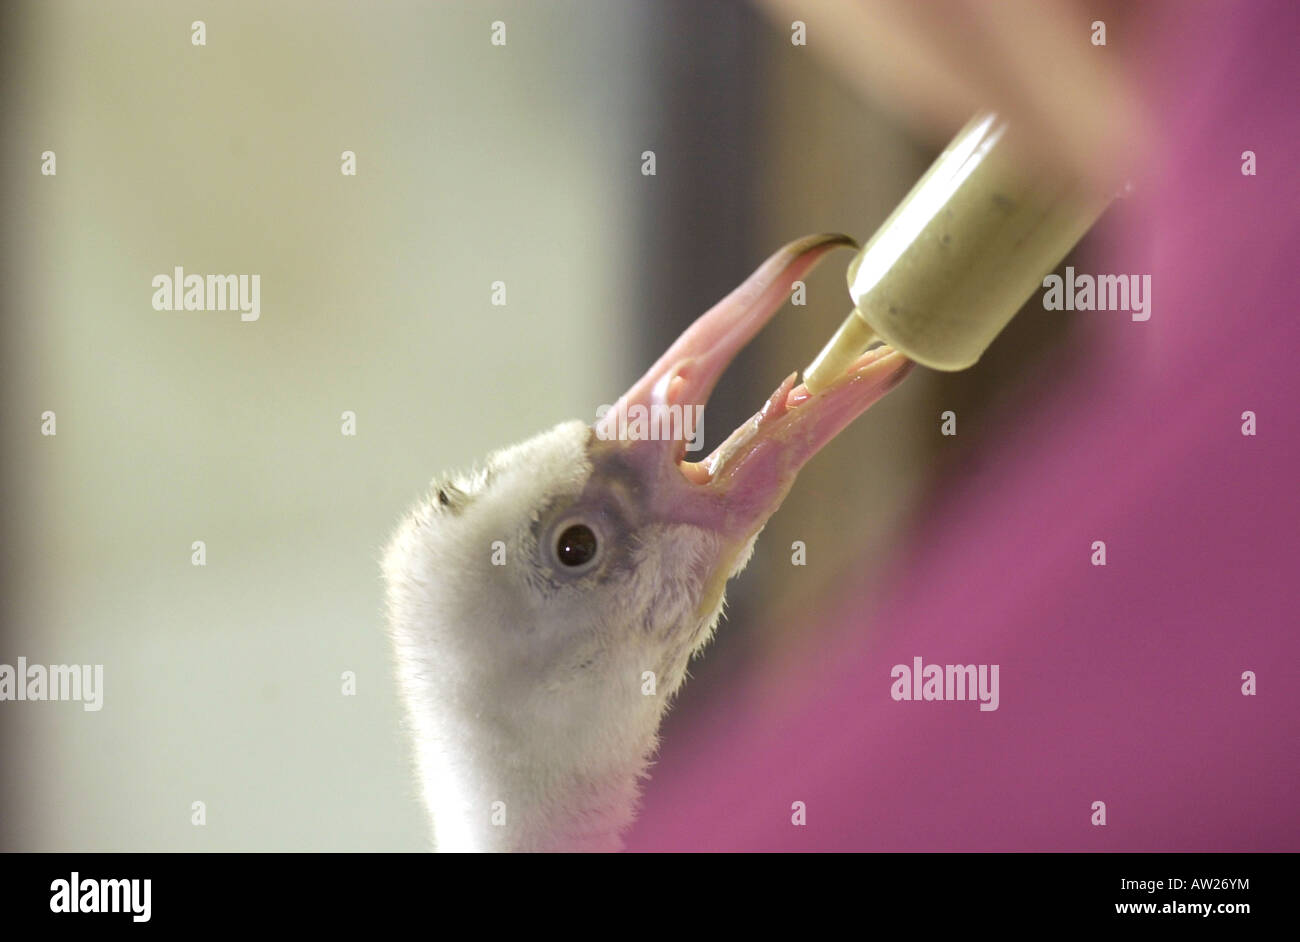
(923, 891)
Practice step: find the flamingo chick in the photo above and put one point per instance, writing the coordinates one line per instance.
(543, 608)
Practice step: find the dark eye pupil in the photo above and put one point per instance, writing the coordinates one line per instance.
(576, 546)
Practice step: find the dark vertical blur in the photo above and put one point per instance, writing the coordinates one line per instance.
(699, 213)
(10, 424)
(701, 210)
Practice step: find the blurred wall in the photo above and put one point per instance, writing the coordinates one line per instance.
(475, 164)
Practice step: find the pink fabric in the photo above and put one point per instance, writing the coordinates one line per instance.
(1119, 684)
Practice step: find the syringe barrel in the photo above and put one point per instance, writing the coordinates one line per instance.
(968, 246)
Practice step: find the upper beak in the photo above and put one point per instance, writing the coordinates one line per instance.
(740, 485)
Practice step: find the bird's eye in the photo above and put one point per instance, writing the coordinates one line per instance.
(576, 545)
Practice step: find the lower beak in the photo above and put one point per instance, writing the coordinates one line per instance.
(740, 485)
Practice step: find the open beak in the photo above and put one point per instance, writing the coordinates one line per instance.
(740, 485)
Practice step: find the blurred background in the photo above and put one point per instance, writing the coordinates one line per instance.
(521, 163)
